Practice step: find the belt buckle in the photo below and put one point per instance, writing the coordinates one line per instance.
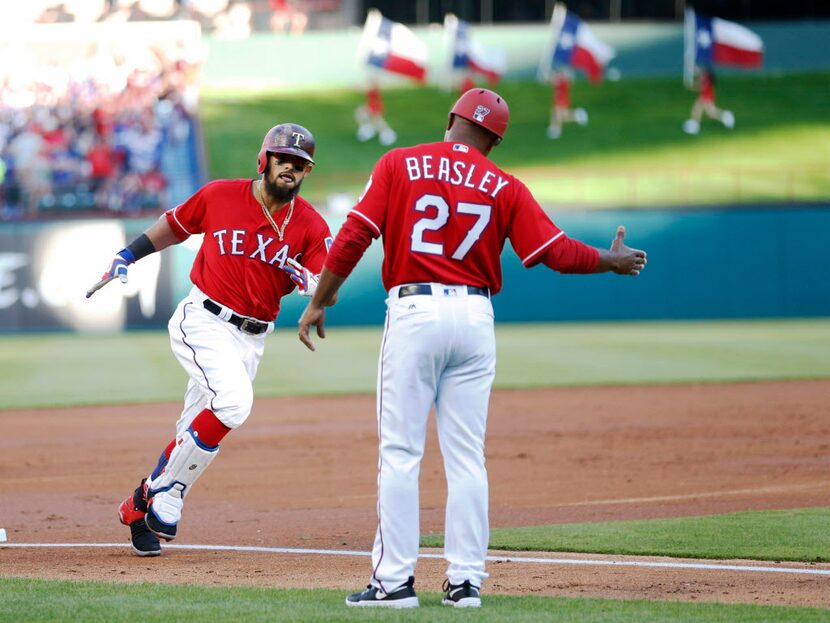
(251, 327)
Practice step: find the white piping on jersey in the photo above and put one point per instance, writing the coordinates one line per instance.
(368, 220)
(540, 249)
(184, 229)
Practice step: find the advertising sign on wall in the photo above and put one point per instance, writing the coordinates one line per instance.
(45, 271)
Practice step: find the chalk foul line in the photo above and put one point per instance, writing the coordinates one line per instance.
(513, 559)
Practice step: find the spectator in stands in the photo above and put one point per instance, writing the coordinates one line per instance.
(69, 136)
(235, 23)
(28, 156)
(287, 17)
(3, 169)
(102, 163)
(705, 103)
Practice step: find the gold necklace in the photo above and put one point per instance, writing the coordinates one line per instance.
(280, 230)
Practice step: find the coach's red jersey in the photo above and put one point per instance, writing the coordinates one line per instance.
(444, 211)
(240, 261)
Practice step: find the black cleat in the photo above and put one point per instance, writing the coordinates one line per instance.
(402, 597)
(145, 543)
(463, 595)
(131, 513)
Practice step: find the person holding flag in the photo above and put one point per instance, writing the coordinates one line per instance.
(370, 119)
(470, 59)
(560, 107)
(385, 46)
(572, 46)
(705, 104)
(713, 41)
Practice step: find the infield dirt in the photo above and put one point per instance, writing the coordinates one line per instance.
(301, 473)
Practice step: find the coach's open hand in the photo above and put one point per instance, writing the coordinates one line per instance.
(626, 261)
(313, 315)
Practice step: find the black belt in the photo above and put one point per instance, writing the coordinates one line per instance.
(247, 325)
(424, 288)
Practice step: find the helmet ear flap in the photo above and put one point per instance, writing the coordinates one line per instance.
(262, 161)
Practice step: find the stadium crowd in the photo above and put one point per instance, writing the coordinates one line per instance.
(224, 18)
(89, 137)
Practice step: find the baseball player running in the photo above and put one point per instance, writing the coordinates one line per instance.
(260, 241)
(444, 212)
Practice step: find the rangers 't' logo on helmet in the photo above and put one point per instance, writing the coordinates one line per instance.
(480, 113)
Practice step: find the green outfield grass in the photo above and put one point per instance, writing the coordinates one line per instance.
(67, 369)
(39, 601)
(632, 153)
(796, 535)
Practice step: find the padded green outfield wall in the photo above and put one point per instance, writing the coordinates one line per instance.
(736, 262)
(329, 59)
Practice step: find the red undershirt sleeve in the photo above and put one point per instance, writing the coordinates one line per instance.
(348, 247)
(571, 256)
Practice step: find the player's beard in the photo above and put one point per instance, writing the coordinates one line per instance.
(281, 194)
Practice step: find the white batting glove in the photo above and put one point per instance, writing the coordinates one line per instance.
(305, 279)
(117, 270)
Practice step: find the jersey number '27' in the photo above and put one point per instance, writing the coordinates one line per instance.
(419, 245)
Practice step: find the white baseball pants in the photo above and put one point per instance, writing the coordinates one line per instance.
(220, 360)
(437, 350)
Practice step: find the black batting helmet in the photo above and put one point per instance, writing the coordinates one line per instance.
(286, 138)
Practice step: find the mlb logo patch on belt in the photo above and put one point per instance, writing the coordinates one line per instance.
(450, 291)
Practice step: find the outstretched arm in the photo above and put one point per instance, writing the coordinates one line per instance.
(155, 238)
(569, 255)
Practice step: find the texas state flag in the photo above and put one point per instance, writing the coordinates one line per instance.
(573, 44)
(469, 55)
(392, 47)
(716, 41)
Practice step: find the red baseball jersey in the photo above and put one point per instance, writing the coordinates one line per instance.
(240, 261)
(444, 211)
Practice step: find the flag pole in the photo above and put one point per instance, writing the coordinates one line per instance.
(557, 19)
(689, 47)
(450, 35)
(370, 27)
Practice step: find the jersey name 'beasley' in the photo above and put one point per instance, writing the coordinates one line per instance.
(455, 172)
(445, 213)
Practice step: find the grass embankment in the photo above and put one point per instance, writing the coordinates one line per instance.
(632, 153)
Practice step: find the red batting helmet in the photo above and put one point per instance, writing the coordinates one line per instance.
(286, 138)
(485, 108)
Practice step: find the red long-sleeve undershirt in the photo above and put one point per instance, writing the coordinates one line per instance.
(566, 255)
(349, 245)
